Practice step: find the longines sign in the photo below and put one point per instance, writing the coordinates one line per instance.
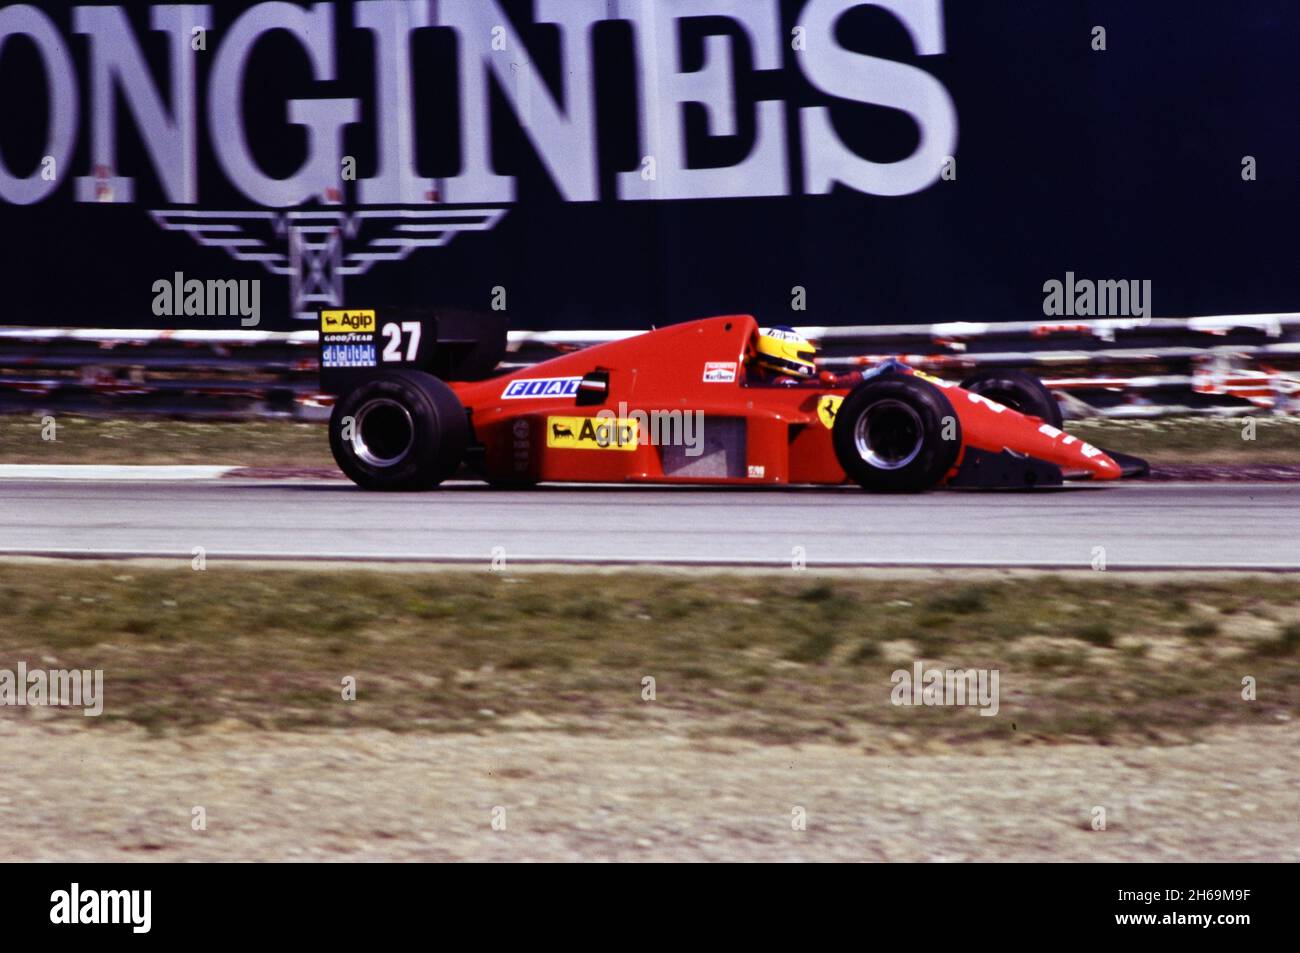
(325, 222)
(561, 125)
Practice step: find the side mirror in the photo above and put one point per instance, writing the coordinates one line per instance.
(593, 390)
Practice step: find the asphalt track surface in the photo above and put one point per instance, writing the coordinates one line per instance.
(1140, 526)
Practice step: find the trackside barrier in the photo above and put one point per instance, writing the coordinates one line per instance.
(1228, 364)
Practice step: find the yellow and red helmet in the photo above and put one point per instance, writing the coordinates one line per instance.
(785, 351)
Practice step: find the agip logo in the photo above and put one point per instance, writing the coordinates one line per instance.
(588, 433)
(347, 322)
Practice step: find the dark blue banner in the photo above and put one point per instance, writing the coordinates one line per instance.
(621, 163)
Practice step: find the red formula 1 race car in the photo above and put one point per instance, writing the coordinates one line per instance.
(718, 401)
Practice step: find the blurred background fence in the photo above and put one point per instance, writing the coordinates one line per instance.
(1221, 365)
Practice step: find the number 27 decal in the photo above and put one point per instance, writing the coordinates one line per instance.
(394, 334)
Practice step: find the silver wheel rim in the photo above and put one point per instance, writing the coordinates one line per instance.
(889, 435)
(383, 433)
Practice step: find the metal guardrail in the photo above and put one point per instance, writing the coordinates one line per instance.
(181, 373)
(1110, 366)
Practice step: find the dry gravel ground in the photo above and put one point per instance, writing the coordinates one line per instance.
(370, 795)
(523, 691)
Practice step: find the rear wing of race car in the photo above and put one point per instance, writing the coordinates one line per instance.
(357, 344)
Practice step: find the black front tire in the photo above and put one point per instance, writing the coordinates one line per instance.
(1023, 393)
(399, 431)
(896, 433)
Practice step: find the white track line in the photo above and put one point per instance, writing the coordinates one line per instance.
(41, 471)
(485, 561)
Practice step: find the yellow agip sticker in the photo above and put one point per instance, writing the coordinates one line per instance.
(591, 433)
(827, 409)
(938, 381)
(347, 322)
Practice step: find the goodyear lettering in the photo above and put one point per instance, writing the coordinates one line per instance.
(591, 433)
(541, 387)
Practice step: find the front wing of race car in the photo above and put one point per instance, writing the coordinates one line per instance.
(1004, 448)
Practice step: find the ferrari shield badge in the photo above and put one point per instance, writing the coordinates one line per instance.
(827, 408)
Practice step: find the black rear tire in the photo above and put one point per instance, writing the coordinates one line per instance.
(1023, 393)
(896, 434)
(408, 431)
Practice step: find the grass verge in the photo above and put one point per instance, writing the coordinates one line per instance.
(1204, 440)
(771, 658)
(164, 442)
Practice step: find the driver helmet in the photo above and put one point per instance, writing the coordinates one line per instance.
(783, 350)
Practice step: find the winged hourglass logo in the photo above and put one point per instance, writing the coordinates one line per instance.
(311, 247)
